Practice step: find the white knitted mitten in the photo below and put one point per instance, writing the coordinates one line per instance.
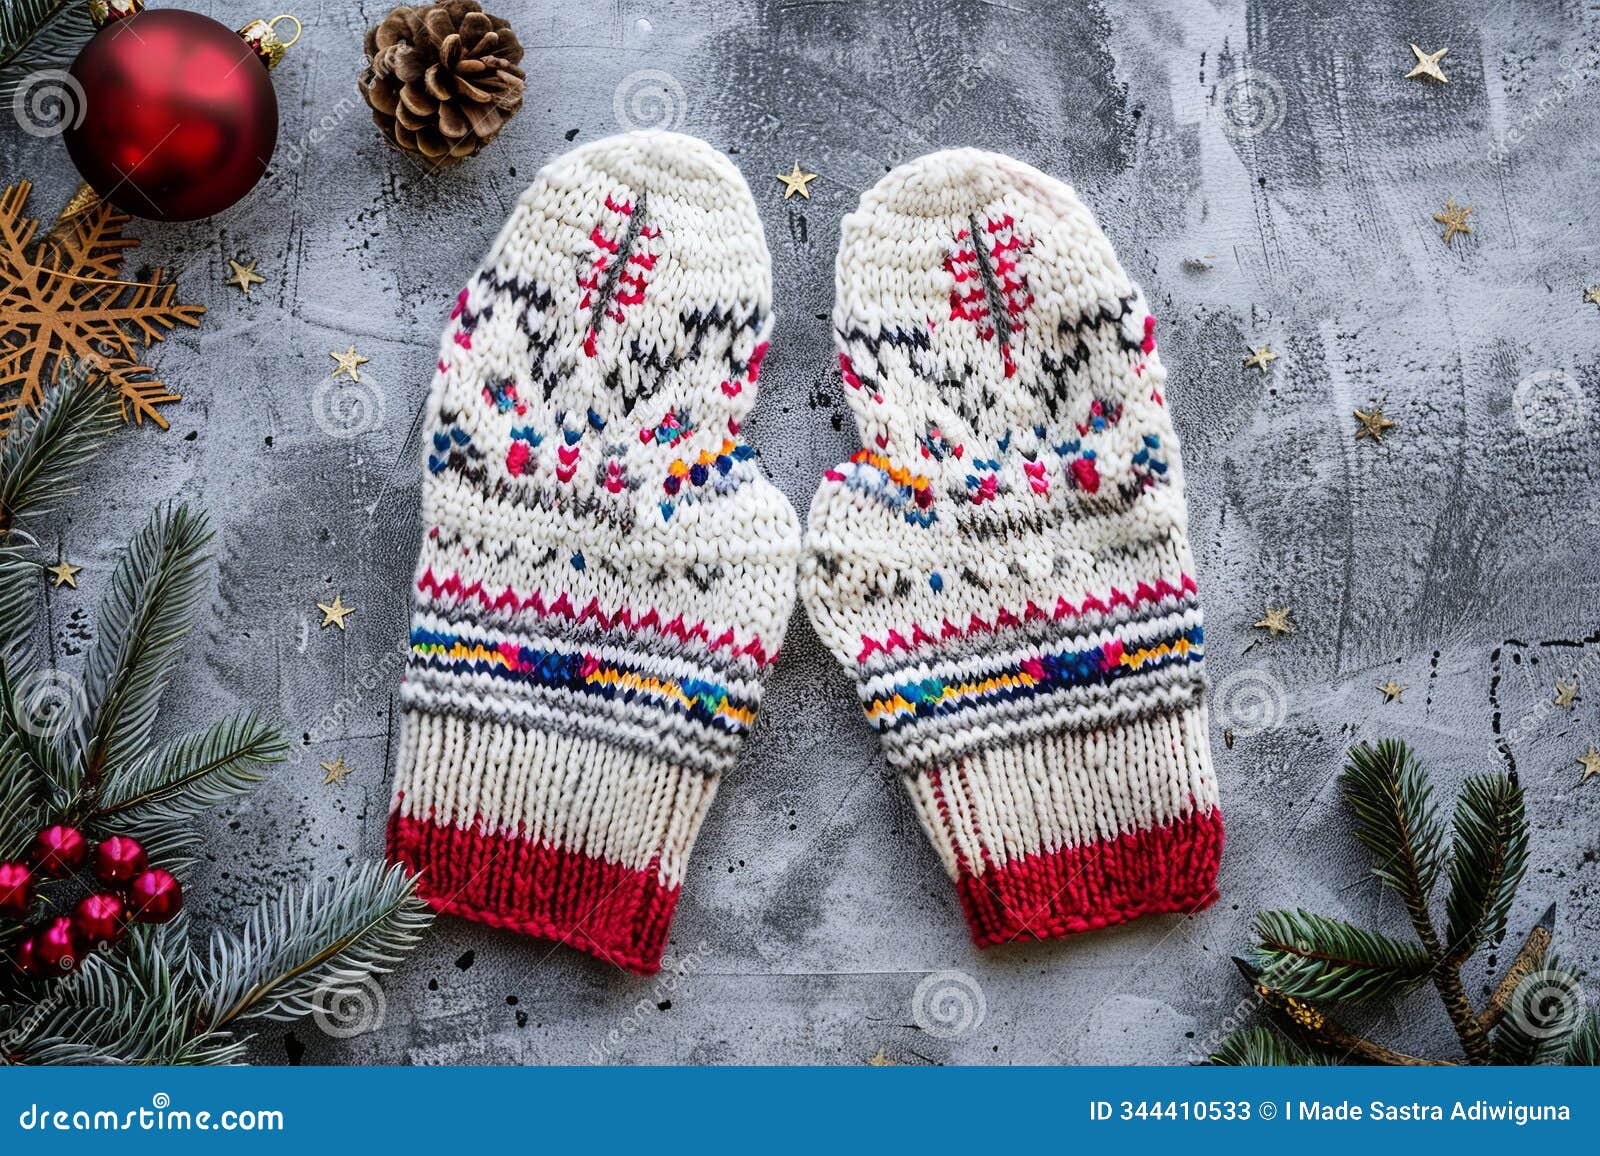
(1005, 566)
(605, 574)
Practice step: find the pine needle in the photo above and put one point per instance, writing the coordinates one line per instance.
(1488, 858)
(1261, 1047)
(185, 778)
(1392, 799)
(1312, 957)
(42, 456)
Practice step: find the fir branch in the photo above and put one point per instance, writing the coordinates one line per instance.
(19, 597)
(49, 769)
(1583, 1046)
(1310, 956)
(42, 456)
(172, 785)
(21, 814)
(308, 941)
(1261, 1047)
(1488, 858)
(139, 638)
(1396, 821)
(37, 34)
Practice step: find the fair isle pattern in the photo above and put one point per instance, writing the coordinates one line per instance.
(1005, 564)
(605, 574)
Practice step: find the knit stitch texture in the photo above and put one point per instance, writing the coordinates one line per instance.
(1005, 565)
(605, 574)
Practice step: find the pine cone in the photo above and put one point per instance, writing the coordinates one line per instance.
(442, 79)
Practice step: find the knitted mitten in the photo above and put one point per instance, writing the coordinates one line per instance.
(605, 573)
(1005, 565)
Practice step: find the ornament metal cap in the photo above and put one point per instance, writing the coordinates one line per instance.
(103, 12)
(262, 36)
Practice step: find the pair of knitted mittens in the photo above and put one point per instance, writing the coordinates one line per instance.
(606, 575)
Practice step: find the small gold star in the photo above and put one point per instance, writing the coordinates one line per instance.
(1566, 693)
(881, 1060)
(1260, 359)
(1592, 295)
(349, 362)
(1275, 622)
(1392, 691)
(1428, 65)
(1591, 764)
(334, 614)
(1372, 424)
(795, 181)
(64, 573)
(1454, 219)
(337, 770)
(245, 276)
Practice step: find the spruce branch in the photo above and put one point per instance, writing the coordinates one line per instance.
(21, 795)
(308, 940)
(1313, 957)
(180, 780)
(1583, 1047)
(1488, 858)
(1392, 799)
(1260, 1047)
(42, 456)
(139, 637)
(37, 34)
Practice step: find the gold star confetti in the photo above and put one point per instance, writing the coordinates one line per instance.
(1566, 693)
(349, 362)
(337, 771)
(1454, 219)
(64, 573)
(1275, 622)
(1591, 764)
(245, 276)
(881, 1060)
(1372, 424)
(1392, 691)
(1428, 65)
(1260, 359)
(334, 613)
(1592, 295)
(795, 181)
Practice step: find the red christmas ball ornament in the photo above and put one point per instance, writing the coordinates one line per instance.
(59, 851)
(16, 889)
(57, 946)
(119, 859)
(26, 959)
(99, 919)
(154, 897)
(178, 118)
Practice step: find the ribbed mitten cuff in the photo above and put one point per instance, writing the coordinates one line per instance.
(1074, 831)
(556, 835)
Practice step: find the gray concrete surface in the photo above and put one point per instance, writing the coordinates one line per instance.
(1268, 174)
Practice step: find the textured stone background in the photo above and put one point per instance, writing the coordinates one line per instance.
(1458, 557)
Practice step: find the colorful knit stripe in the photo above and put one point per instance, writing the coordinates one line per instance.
(452, 590)
(1145, 594)
(1038, 674)
(702, 700)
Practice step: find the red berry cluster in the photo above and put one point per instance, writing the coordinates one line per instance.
(139, 894)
